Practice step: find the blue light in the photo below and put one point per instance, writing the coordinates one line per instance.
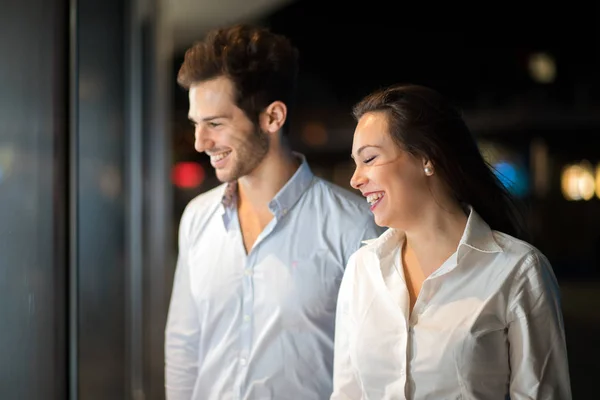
(506, 173)
(512, 177)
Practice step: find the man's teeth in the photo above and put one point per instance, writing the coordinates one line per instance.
(220, 156)
(372, 198)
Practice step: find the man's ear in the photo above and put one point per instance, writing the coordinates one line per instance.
(271, 120)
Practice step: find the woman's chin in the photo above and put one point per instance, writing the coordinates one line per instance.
(380, 221)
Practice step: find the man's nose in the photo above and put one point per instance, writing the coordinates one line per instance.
(203, 141)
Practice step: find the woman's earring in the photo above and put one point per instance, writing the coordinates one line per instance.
(428, 171)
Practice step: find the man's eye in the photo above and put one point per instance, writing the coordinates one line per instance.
(213, 124)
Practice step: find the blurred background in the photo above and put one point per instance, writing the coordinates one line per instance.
(97, 159)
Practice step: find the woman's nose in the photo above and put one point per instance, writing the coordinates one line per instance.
(358, 179)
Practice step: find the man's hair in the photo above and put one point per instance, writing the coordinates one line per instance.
(262, 66)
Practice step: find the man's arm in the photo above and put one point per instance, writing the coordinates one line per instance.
(182, 330)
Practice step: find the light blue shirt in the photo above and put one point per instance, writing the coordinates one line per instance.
(261, 325)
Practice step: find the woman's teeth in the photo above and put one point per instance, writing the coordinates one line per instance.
(372, 198)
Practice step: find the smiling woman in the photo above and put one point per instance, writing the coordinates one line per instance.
(390, 177)
(423, 131)
(447, 303)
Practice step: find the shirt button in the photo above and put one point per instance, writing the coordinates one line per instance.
(246, 318)
(248, 271)
(243, 361)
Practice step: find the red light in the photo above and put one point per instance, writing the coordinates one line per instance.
(187, 175)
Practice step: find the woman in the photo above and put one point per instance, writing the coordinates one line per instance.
(447, 303)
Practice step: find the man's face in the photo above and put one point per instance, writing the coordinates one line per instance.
(234, 144)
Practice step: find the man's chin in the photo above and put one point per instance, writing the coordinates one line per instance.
(225, 180)
(225, 177)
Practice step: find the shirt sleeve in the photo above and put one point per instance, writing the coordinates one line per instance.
(345, 381)
(538, 354)
(182, 330)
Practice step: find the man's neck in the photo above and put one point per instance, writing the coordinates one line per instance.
(255, 192)
(257, 189)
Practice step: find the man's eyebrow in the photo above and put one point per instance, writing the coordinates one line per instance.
(361, 148)
(209, 118)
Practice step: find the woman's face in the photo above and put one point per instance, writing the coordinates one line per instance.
(393, 181)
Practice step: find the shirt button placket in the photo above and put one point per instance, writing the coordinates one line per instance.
(246, 326)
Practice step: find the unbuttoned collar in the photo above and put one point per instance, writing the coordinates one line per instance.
(283, 201)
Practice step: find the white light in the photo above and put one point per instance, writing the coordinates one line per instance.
(577, 182)
(542, 68)
(569, 182)
(598, 180)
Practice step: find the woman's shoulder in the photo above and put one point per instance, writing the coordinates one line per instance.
(515, 247)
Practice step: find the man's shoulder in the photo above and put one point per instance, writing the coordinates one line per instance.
(207, 201)
(343, 210)
(344, 198)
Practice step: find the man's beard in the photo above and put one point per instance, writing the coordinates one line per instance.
(248, 156)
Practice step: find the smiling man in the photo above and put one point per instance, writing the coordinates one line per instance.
(261, 256)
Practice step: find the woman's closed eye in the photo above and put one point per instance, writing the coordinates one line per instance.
(369, 159)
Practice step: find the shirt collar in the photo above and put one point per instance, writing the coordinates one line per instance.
(283, 201)
(477, 235)
(386, 242)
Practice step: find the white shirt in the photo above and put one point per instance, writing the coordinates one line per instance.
(486, 325)
(261, 325)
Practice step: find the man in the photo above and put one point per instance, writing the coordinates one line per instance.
(261, 256)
